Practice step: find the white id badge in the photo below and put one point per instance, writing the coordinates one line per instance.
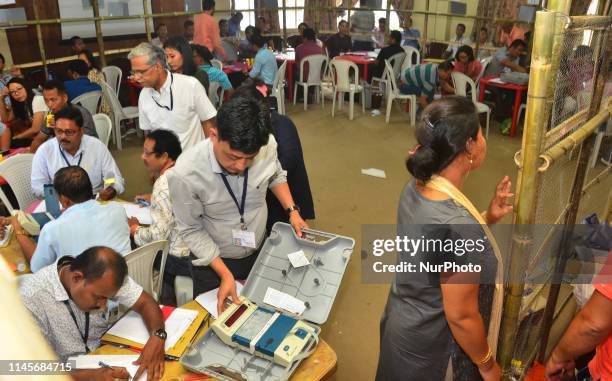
(244, 238)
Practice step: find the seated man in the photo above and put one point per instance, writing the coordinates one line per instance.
(459, 40)
(340, 42)
(159, 154)
(265, 67)
(423, 81)
(393, 40)
(83, 224)
(507, 59)
(203, 57)
(70, 147)
(56, 99)
(218, 191)
(79, 83)
(307, 48)
(68, 298)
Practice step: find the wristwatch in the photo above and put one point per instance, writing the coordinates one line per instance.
(161, 333)
(292, 208)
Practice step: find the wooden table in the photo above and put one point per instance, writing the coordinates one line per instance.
(518, 97)
(319, 366)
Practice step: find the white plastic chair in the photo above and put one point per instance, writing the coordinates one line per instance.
(112, 76)
(317, 65)
(393, 93)
(278, 88)
(90, 100)
(215, 93)
(104, 127)
(343, 83)
(484, 63)
(461, 83)
(140, 266)
(410, 53)
(17, 171)
(216, 63)
(396, 62)
(120, 113)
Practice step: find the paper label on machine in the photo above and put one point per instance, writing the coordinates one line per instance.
(244, 238)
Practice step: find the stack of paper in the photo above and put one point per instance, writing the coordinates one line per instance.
(208, 300)
(132, 327)
(93, 362)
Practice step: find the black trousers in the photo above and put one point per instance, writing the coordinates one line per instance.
(204, 277)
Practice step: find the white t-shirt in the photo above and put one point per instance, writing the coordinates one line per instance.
(38, 104)
(180, 106)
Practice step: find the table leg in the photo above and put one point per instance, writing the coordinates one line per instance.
(365, 72)
(482, 92)
(290, 80)
(517, 104)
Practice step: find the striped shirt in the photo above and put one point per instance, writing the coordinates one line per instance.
(425, 77)
(216, 74)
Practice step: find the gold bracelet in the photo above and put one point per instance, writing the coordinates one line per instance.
(22, 232)
(485, 359)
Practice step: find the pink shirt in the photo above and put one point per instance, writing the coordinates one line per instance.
(305, 49)
(472, 69)
(206, 33)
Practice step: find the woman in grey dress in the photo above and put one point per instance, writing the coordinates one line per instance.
(434, 316)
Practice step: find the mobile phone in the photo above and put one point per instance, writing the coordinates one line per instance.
(51, 201)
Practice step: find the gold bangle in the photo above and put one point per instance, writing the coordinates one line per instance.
(22, 232)
(485, 359)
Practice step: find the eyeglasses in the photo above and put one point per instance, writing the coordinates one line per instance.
(59, 131)
(140, 72)
(13, 92)
(146, 153)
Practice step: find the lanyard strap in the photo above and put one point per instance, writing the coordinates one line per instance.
(171, 97)
(66, 160)
(86, 335)
(244, 193)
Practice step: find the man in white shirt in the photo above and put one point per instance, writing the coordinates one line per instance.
(460, 40)
(170, 101)
(71, 147)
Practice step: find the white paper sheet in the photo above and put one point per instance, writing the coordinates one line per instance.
(497, 80)
(208, 300)
(298, 259)
(41, 207)
(374, 172)
(133, 328)
(143, 214)
(93, 362)
(284, 301)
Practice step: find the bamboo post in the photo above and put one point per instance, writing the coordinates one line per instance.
(537, 116)
(284, 24)
(388, 17)
(96, 9)
(425, 26)
(145, 7)
(41, 45)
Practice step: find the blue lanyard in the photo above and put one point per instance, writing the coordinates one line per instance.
(66, 160)
(244, 193)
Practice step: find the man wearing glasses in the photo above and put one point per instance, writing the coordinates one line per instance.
(170, 101)
(72, 148)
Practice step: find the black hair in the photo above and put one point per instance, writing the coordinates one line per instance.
(73, 183)
(207, 5)
(342, 22)
(258, 40)
(382, 19)
(302, 24)
(79, 67)
(187, 24)
(518, 42)
(165, 142)
(203, 52)
(221, 21)
(244, 123)
(22, 110)
(309, 34)
(90, 57)
(159, 26)
(248, 89)
(181, 45)
(96, 261)
(54, 84)
(462, 25)
(236, 14)
(74, 39)
(2, 58)
(445, 127)
(397, 36)
(446, 65)
(72, 113)
(485, 29)
(467, 50)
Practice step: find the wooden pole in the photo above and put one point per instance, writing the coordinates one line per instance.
(145, 7)
(41, 44)
(96, 9)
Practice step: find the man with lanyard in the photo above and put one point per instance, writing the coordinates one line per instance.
(170, 101)
(218, 190)
(71, 147)
(68, 301)
(56, 99)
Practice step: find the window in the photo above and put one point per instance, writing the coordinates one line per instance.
(248, 17)
(294, 16)
(394, 23)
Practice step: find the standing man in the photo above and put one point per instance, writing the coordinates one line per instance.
(218, 192)
(72, 148)
(206, 29)
(188, 30)
(362, 25)
(170, 101)
(339, 42)
(233, 24)
(460, 40)
(77, 45)
(68, 302)
(56, 99)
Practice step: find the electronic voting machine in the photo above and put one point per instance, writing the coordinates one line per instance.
(256, 341)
